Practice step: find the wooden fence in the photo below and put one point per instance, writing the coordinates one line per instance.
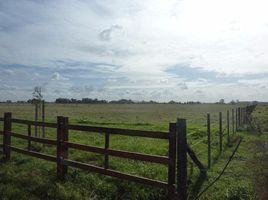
(178, 149)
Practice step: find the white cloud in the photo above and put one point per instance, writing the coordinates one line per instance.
(106, 34)
(7, 87)
(7, 72)
(57, 77)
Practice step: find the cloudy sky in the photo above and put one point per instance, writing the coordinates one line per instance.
(111, 49)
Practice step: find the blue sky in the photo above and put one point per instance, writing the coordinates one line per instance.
(161, 50)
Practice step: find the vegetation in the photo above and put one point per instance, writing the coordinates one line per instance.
(25, 177)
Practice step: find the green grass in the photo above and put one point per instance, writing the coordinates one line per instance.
(25, 177)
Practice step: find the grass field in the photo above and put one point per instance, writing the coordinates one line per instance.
(25, 177)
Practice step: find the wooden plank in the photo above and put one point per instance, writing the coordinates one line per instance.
(195, 159)
(33, 123)
(119, 153)
(182, 159)
(35, 139)
(129, 132)
(34, 154)
(116, 174)
(172, 161)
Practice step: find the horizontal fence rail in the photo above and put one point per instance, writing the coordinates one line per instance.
(129, 132)
(34, 139)
(34, 123)
(119, 153)
(34, 154)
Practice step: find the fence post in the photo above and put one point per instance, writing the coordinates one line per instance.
(209, 142)
(106, 159)
(236, 120)
(43, 118)
(244, 116)
(233, 121)
(7, 136)
(172, 161)
(228, 127)
(239, 118)
(220, 131)
(62, 148)
(36, 118)
(29, 134)
(181, 159)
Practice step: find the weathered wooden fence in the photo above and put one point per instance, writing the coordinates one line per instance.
(178, 149)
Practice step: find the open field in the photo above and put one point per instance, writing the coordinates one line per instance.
(29, 178)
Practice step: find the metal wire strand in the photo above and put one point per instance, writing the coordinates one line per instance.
(218, 177)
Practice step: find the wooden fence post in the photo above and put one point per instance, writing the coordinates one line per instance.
(36, 118)
(43, 118)
(181, 159)
(7, 136)
(209, 142)
(29, 134)
(233, 121)
(228, 127)
(62, 148)
(106, 159)
(242, 117)
(236, 120)
(220, 130)
(239, 118)
(172, 161)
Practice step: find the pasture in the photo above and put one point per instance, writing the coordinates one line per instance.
(25, 177)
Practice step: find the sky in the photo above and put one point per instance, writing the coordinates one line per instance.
(182, 50)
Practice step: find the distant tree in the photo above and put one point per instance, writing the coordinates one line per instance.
(123, 101)
(62, 100)
(221, 101)
(232, 102)
(172, 102)
(37, 94)
(21, 101)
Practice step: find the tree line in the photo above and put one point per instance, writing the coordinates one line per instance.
(121, 101)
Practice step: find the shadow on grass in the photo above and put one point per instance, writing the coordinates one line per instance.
(198, 184)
